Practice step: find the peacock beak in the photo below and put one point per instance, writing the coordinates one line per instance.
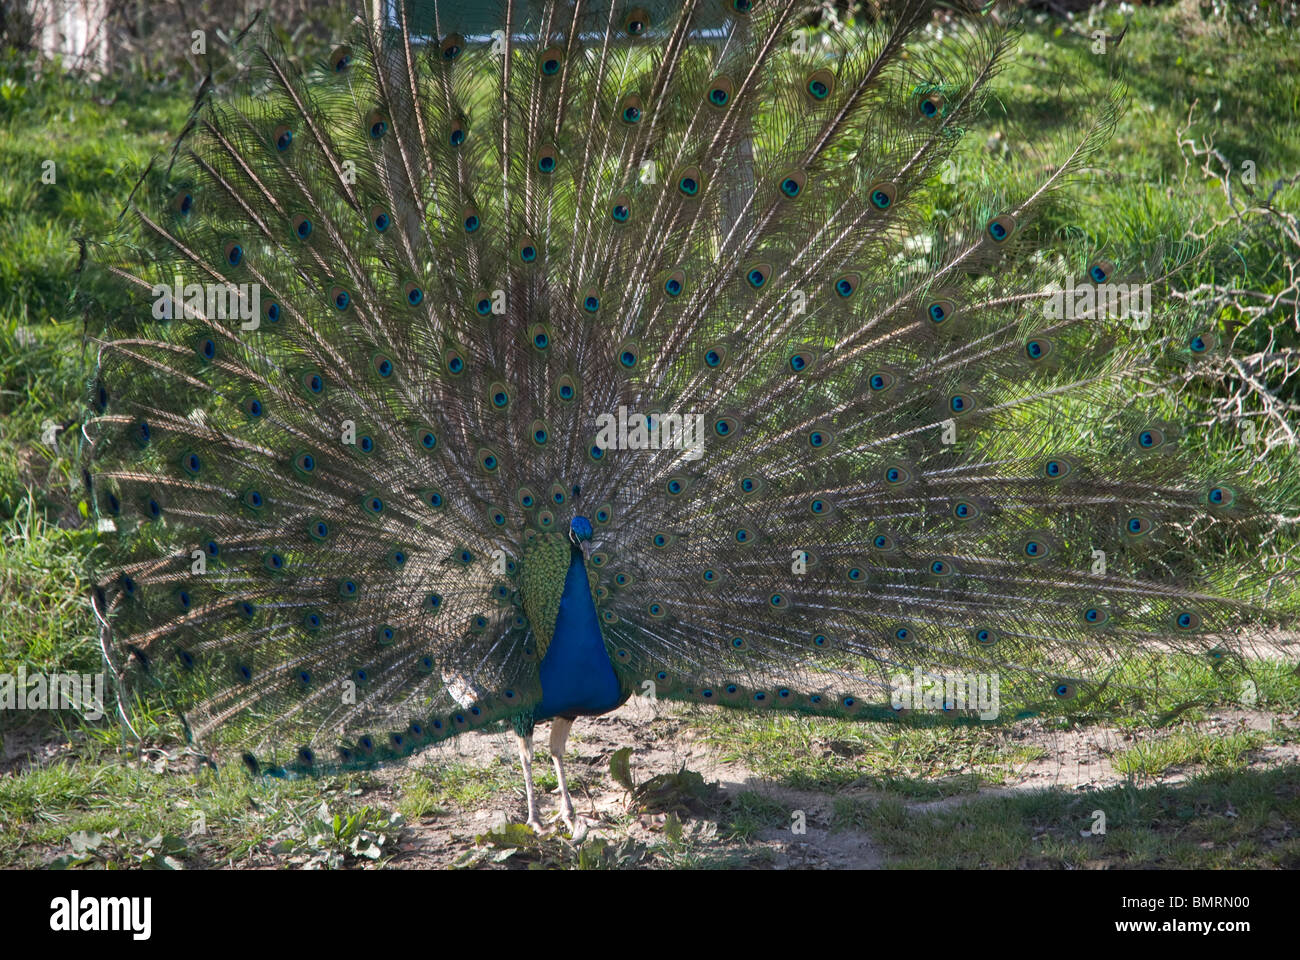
(581, 544)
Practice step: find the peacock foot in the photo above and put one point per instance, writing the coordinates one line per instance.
(576, 825)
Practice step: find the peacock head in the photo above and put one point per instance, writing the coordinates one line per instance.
(580, 533)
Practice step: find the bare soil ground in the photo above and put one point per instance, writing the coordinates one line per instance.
(662, 746)
(664, 742)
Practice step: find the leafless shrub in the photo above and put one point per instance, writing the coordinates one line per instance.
(1255, 380)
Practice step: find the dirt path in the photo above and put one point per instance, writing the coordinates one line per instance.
(664, 742)
(662, 745)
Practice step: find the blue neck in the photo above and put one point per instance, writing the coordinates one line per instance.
(577, 677)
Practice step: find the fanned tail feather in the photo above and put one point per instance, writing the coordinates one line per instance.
(438, 264)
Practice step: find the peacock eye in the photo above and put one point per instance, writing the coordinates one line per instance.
(882, 195)
(690, 181)
(721, 91)
(631, 109)
(550, 60)
(636, 22)
(451, 47)
(792, 184)
(376, 124)
(1000, 228)
(818, 85)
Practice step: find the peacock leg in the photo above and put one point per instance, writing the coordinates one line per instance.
(526, 760)
(560, 728)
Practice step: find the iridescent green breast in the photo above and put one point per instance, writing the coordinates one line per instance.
(544, 565)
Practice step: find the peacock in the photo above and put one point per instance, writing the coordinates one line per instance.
(491, 369)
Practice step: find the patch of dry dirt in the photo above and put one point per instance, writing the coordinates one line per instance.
(665, 740)
(664, 743)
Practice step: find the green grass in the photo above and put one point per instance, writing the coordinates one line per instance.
(429, 791)
(1239, 820)
(751, 812)
(821, 753)
(1208, 751)
(828, 753)
(223, 815)
(100, 808)
(99, 137)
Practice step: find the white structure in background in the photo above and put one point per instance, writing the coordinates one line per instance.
(73, 29)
